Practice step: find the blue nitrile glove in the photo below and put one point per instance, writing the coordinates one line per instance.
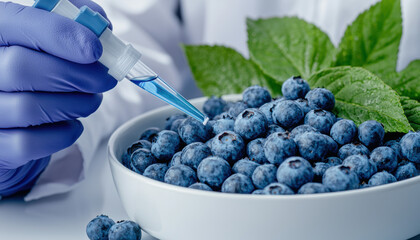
(49, 77)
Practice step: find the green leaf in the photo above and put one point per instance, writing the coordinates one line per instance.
(220, 70)
(372, 40)
(406, 82)
(412, 111)
(361, 96)
(285, 47)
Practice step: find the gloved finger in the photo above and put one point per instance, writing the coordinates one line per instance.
(35, 108)
(18, 146)
(42, 31)
(21, 178)
(92, 5)
(23, 69)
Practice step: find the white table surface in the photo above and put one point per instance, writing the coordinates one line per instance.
(65, 216)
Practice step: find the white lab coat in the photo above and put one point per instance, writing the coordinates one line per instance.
(153, 27)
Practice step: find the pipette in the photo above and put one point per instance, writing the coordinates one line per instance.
(122, 60)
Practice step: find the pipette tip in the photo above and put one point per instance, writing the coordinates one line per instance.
(206, 120)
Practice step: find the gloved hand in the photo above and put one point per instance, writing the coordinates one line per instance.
(49, 77)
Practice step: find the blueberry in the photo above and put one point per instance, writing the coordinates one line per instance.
(410, 146)
(385, 158)
(311, 188)
(228, 105)
(294, 134)
(264, 175)
(214, 106)
(255, 151)
(319, 170)
(223, 115)
(267, 110)
(141, 159)
(175, 125)
(194, 153)
(165, 145)
(180, 175)
(229, 146)
(320, 119)
(128, 230)
(200, 186)
(381, 178)
(343, 131)
(361, 165)
(237, 183)
(139, 144)
(294, 88)
(237, 108)
(321, 167)
(277, 189)
(98, 228)
(371, 133)
(332, 146)
(256, 96)
(340, 178)
(156, 171)
(223, 124)
(395, 145)
(213, 171)
(170, 120)
(304, 104)
(353, 149)
(258, 192)
(406, 171)
(149, 134)
(321, 98)
(191, 130)
(313, 146)
(273, 129)
(333, 161)
(279, 146)
(287, 114)
(125, 160)
(250, 124)
(176, 159)
(294, 172)
(245, 166)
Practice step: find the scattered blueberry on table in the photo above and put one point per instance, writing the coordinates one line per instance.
(104, 228)
(292, 144)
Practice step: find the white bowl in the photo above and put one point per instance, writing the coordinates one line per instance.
(165, 211)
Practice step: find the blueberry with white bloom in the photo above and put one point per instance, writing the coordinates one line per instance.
(237, 183)
(98, 228)
(294, 88)
(381, 178)
(294, 172)
(410, 146)
(340, 178)
(256, 96)
(320, 119)
(287, 114)
(251, 124)
(385, 158)
(214, 106)
(371, 133)
(343, 131)
(180, 175)
(277, 189)
(321, 98)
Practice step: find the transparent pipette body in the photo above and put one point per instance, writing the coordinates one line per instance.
(144, 77)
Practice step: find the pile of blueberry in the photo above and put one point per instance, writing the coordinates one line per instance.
(260, 145)
(104, 228)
